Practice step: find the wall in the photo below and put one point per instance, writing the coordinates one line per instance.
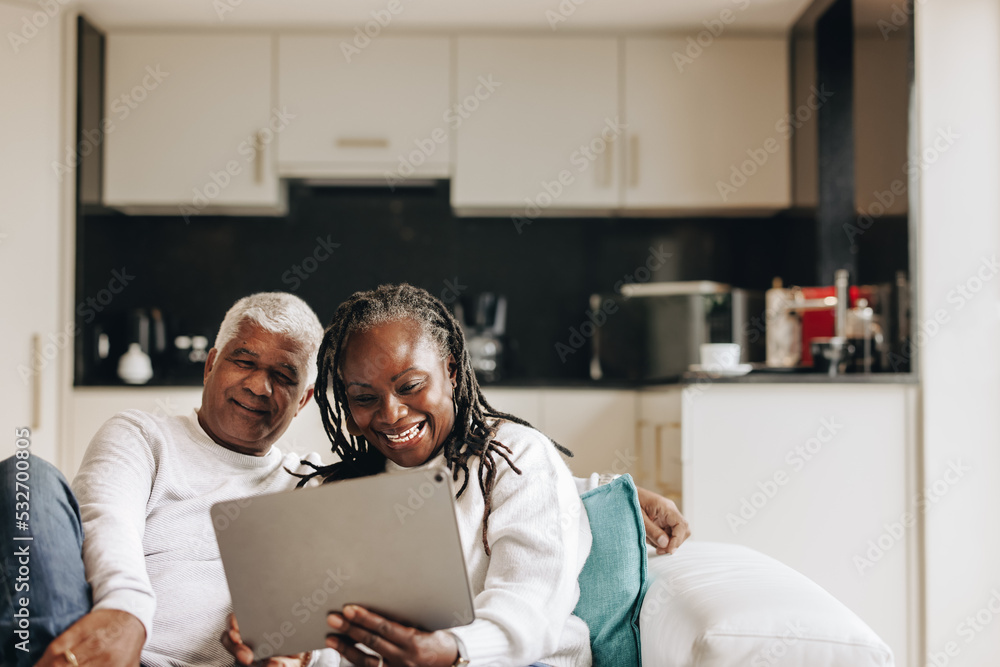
(958, 67)
(30, 249)
(547, 272)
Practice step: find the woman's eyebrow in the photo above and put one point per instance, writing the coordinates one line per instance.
(402, 373)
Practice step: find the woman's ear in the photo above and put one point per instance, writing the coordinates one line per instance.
(352, 426)
(452, 370)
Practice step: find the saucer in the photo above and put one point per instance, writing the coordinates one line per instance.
(735, 371)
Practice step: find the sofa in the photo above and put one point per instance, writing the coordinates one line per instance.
(721, 605)
(706, 605)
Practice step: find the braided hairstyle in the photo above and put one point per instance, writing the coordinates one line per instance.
(476, 421)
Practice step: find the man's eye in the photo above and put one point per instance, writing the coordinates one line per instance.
(243, 363)
(284, 379)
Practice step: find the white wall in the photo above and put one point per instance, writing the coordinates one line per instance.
(958, 70)
(30, 249)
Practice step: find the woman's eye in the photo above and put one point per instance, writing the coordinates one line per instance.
(410, 386)
(362, 400)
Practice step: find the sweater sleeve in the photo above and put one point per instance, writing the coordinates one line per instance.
(112, 488)
(539, 537)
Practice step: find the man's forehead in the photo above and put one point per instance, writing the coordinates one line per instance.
(254, 340)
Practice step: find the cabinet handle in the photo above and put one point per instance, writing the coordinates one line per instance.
(36, 383)
(362, 142)
(609, 163)
(259, 159)
(633, 159)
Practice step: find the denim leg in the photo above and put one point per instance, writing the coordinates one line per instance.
(47, 569)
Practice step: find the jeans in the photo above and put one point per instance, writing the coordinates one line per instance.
(43, 589)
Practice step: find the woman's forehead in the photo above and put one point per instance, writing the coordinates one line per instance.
(388, 349)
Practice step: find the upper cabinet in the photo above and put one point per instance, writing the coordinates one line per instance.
(538, 125)
(378, 112)
(529, 125)
(189, 122)
(708, 127)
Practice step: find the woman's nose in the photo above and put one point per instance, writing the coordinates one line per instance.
(392, 410)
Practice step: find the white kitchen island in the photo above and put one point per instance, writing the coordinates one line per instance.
(822, 477)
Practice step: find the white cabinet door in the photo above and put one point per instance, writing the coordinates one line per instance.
(380, 112)
(537, 124)
(819, 478)
(190, 121)
(597, 425)
(707, 132)
(659, 445)
(30, 235)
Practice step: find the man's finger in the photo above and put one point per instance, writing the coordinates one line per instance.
(656, 536)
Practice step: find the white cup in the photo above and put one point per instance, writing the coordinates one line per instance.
(720, 356)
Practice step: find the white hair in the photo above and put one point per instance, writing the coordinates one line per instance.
(279, 313)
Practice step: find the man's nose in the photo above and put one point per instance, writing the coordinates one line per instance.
(259, 382)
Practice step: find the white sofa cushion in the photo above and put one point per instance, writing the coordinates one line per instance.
(715, 605)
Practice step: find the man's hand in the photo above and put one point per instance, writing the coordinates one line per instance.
(102, 638)
(666, 528)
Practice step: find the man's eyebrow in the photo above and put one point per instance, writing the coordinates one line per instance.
(243, 350)
(293, 369)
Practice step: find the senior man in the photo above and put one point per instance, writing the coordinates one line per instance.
(150, 582)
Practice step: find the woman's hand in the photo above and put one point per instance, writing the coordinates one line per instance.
(233, 643)
(399, 645)
(666, 528)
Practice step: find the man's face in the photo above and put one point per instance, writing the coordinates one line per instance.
(254, 386)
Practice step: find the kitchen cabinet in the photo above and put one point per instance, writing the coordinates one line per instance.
(705, 125)
(37, 341)
(822, 478)
(658, 455)
(597, 425)
(190, 123)
(381, 112)
(538, 125)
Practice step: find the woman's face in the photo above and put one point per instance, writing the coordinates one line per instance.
(399, 391)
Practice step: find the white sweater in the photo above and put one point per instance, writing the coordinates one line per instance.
(539, 535)
(147, 483)
(145, 488)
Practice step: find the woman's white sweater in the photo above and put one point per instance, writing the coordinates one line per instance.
(539, 535)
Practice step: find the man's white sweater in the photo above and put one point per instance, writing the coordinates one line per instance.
(147, 483)
(145, 488)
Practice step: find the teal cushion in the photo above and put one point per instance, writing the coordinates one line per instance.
(613, 580)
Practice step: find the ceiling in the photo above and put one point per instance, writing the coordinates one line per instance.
(543, 15)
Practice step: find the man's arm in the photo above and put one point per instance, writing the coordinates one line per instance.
(112, 488)
(666, 527)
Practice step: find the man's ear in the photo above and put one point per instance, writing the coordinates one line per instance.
(306, 395)
(352, 426)
(210, 363)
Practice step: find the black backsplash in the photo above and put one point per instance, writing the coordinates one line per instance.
(194, 271)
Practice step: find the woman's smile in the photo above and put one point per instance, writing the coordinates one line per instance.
(405, 438)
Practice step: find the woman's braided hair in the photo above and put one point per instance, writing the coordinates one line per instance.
(476, 421)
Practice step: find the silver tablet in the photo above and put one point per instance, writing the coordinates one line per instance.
(389, 543)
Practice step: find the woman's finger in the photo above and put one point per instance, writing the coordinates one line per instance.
(395, 633)
(346, 648)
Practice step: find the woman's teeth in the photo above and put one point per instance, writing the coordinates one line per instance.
(408, 434)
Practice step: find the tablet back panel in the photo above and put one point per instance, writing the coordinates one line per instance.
(389, 543)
